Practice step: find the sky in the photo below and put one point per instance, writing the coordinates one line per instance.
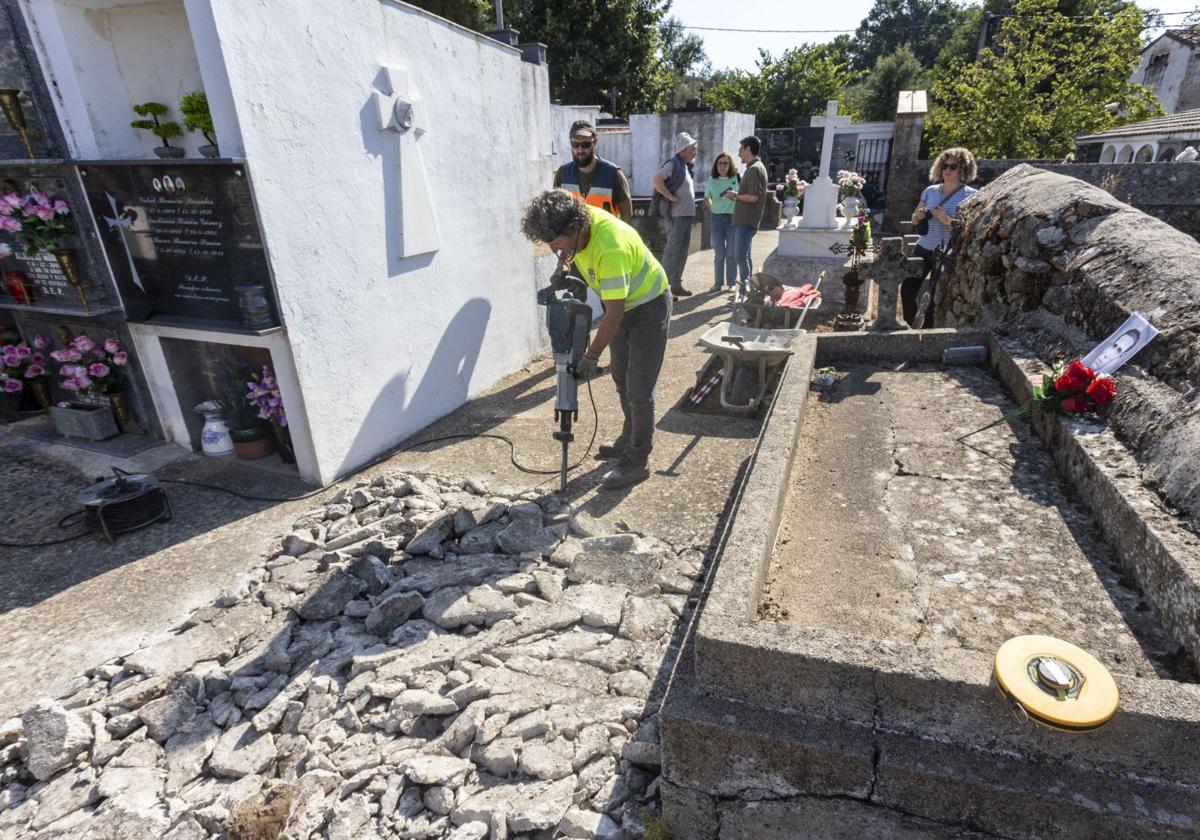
(740, 49)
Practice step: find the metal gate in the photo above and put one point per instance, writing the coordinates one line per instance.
(872, 162)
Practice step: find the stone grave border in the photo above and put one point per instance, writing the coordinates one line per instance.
(761, 710)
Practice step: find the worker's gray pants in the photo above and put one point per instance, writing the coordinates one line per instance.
(675, 251)
(637, 352)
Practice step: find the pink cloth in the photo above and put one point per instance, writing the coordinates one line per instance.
(797, 297)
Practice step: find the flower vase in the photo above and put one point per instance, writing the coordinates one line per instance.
(850, 206)
(791, 207)
(214, 436)
(41, 391)
(120, 409)
(70, 269)
(284, 438)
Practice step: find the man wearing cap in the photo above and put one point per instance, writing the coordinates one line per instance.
(674, 183)
(598, 182)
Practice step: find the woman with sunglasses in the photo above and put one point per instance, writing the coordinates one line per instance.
(952, 170)
(722, 179)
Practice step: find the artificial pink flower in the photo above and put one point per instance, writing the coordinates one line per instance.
(98, 370)
(38, 358)
(43, 212)
(120, 358)
(66, 370)
(69, 384)
(112, 345)
(82, 343)
(60, 207)
(40, 342)
(5, 251)
(9, 224)
(23, 351)
(12, 361)
(13, 386)
(59, 355)
(39, 197)
(34, 371)
(70, 354)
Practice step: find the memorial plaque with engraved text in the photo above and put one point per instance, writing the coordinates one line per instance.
(180, 237)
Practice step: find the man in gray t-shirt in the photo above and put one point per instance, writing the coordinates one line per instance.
(683, 208)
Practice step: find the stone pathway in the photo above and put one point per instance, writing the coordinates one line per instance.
(423, 657)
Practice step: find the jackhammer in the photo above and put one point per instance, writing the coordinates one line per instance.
(569, 323)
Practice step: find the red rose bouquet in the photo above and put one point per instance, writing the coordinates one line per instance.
(1073, 390)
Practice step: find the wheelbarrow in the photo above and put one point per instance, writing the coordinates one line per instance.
(740, 347)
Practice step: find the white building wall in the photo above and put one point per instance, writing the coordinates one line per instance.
(1168, 88)
(383, 345)
(561, 119)
(104, 57)
(653, 134)
(617, 146)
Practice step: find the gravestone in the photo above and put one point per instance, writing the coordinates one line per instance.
(181, 237)
(888, 271)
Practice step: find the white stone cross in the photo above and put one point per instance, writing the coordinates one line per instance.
(820, 199)
(401, 109)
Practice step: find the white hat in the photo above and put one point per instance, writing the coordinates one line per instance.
(683, 140)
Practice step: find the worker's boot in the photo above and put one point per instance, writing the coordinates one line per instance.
(609, 451)
(625, 475)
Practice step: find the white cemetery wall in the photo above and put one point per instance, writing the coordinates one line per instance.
(653, 135)
(384, 345)
(617, 146)
(561, 118)
(102, 58)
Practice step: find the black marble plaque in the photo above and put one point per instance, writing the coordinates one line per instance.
(180, 237)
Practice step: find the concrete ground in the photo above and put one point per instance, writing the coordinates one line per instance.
(68, 607)
(895, 529)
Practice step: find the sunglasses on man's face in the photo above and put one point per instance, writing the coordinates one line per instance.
(586, 144)
(949, 164)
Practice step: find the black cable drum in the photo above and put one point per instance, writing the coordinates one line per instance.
(124, 503)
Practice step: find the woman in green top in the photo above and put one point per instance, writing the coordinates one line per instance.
(723, 177)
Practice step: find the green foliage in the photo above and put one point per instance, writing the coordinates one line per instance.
(473, 14)
(162, 130)
(922, 24)
(657, 828)
(683, 57)
(797, 84)
(734, 90)
(595, 45)
(875, 97)
(1046, 78)
(196, 117)
(150, 109)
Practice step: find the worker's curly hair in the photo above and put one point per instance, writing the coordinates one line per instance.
(552, 214)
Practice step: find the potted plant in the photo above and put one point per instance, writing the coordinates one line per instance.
(196, 117)
(92, 370)
(162, 130)
(850, 186)
(791, 190)
(251, 435)
(43, 223)
(264, 396)
(23, 373)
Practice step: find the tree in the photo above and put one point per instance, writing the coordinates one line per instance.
(875, 98)
(734, 90)
(473, 14)
(595, 45)
(797, 84)
(922, 24)
(683, 57)
(1046, 78)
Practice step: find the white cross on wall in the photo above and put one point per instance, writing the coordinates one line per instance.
(401, 109)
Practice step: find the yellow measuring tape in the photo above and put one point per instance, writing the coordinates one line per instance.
(1055, 683)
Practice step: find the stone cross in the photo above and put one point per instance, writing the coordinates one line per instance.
(400, 109)
(120, 221)
(891, 268)
(820, 199)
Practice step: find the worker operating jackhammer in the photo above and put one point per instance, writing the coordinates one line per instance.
(637, 311)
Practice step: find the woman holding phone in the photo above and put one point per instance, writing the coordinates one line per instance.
(722, 179)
